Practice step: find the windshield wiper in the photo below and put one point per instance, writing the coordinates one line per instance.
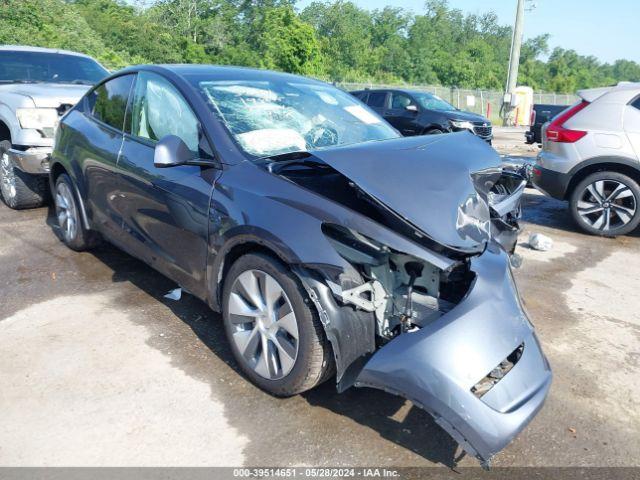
(282, 157)
(280, 166)
(280, 162)
(79, 82)
(21, 81)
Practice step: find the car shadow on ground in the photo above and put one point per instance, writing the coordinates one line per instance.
(392, 417)
(546, 212)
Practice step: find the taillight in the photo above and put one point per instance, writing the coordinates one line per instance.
(556, 132)
(532, 120)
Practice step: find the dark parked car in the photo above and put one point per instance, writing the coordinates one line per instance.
(421, 113)
(327, 241)
(540, 115)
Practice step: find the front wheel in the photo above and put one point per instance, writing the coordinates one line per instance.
(606, 204)
(275, 335)
(20, 190)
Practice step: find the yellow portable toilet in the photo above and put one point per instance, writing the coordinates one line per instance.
(524, 105)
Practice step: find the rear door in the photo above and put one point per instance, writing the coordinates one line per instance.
(403, 119)
(377, 101)
(97, 151)
(362, 96)
(632, 124)
(165, 216)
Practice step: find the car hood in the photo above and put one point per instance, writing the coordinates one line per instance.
(438, 184)
(466, 116)
(49, 95)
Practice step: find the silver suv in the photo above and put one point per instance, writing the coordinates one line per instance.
(591, 157)
(37, 86)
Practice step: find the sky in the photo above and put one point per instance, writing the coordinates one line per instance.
(607, 30)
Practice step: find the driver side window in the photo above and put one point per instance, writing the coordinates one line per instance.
(400, 101)
(159, 109)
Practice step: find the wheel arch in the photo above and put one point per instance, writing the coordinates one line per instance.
(602, 164)
(433, 126)
(58, 169)
(232, 250)
(5, 131)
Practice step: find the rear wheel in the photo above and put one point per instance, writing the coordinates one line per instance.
(606, 204)
(19, 190)
(433, 131)
(275, 336)
(72, 230)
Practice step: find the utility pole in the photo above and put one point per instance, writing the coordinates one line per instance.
(514, 63)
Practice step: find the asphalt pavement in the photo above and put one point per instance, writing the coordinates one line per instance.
(98, 368)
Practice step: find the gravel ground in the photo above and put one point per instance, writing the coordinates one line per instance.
(99, 369)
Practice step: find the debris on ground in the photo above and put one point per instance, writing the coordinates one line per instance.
(538, 241)
(515, 260)
(175, 294)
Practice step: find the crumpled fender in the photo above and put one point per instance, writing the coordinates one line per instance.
(436, 366)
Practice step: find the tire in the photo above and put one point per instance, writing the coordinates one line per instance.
(433, 131)
(606, 204)
(20, 190)
(72, 230)
(258, 276)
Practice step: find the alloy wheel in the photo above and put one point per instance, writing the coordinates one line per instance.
(7, 177)
(66, 212)
(264, 325)
(607, 205)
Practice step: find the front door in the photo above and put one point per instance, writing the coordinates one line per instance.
(165, 218)
(402, 113)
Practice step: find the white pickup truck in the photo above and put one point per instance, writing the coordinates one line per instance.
(37, 86)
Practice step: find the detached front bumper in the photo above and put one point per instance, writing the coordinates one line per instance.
(33, 160)
(438, 366)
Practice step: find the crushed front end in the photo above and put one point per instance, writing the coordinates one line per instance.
(455, 342)
(424, 305)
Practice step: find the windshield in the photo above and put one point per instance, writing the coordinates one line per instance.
(270, 118)
(34, 67)
(433, 102)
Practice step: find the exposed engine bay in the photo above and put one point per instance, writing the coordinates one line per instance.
(404, 292)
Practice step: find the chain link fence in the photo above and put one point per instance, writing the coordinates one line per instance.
(484, 102)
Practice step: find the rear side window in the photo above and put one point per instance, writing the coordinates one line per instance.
(361, 95)
(108, 102)
(376, 99)
(636, 103)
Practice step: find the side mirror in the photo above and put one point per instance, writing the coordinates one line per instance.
(171, 151)
(411, 108)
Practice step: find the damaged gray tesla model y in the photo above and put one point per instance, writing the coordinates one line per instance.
(332, 247)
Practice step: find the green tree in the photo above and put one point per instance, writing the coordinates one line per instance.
(287, 43)
(332, 39)
(54, 24)
(132, 31)
(345, 33)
